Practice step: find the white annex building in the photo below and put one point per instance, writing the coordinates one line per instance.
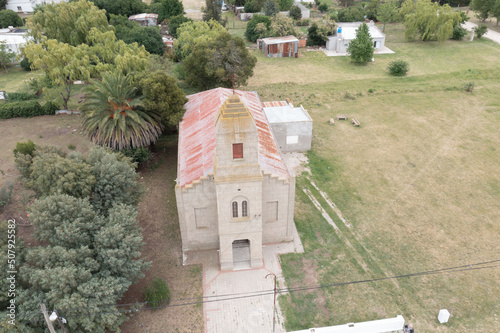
(346, 32)
(27, 6)
(234, 192)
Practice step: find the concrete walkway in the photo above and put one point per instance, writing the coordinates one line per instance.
(242, 301)
(490, 34)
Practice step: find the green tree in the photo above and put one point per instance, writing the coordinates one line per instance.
(167, 9)
(283, 26)
(89, 262)
(164, 97)
(428, 20)
(53, 174)
(295, 13)
(116, 180)
(387, 12)
(495, 11)
(149, 37)
(361, 48)
(319, 31)
(6, 56)
(61, 62)
(483, 8)
(351, 14)
(175, 22)
(113, 118)
(213, 11)
(250, 33)
(285, 5)
(2, 4)
(191, 33)
(67, 22)
(219, 61)
(122, 7)
(122, 25)
(270, 8)
(9, 18)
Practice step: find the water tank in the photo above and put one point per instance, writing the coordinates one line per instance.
(339, 30)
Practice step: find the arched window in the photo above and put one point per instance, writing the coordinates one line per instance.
(244, 209)
(235, 209)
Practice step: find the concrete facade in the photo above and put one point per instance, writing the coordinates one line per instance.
(292, 127)
(347, 32)
(237, 202)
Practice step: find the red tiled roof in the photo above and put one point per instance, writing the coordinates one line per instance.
(274, 104)
(197, 135)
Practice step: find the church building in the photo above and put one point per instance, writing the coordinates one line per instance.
(234, 192)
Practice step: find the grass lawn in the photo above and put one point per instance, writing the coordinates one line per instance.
(419, 183)
(17, 79)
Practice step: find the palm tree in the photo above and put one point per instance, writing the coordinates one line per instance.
(114, 117)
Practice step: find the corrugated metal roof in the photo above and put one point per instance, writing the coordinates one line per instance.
(279, 40)
(197, 135)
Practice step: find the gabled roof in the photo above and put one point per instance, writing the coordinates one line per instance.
(197, 135)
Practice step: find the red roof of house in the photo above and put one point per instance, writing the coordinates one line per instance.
(197, 135)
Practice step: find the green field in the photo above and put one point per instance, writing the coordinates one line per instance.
(418, 181)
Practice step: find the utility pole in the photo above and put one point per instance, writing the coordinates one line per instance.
(275, 291)
(61, 323)
(46, 315)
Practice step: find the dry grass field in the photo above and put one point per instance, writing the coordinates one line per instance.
(418, 181)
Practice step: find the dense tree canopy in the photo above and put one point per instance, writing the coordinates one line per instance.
(191, 33)
(122, 7)
(361, 48)
(163, 96)
(9, 18)
(175, 22)
(428, 20)
(319, 31)
(213, 11)
(167, 8)
(218, 62)
(67, 22)
(283, 26)
(483, 8)
(251, 32)
(270, 8)
(351, 14)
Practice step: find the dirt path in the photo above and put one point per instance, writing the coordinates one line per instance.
(490, 34)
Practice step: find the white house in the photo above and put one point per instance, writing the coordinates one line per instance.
(14, 38)
(346, 32)
(27, 6)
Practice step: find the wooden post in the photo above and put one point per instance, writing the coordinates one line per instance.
(46, 315)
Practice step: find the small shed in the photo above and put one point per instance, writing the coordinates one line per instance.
(145, 19)
(291, 126)
(280, 46)
(346, 32)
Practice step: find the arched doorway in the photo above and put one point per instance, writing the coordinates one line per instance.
(241, 254)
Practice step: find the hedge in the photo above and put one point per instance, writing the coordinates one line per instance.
(26, 109)
(20, 96)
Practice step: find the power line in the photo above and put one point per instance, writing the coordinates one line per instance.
(226, 297)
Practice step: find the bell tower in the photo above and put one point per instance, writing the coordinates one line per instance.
(238, 182)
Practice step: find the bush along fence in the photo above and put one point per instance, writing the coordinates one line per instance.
(26, 109)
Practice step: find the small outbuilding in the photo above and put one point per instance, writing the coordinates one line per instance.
(145, 19)
(291, 126)
(346, 32)
(280, 46)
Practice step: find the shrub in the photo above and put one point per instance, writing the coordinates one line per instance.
(295, 13)
(351, 14)
(24, 109)
(25, 64)
(480, 30)
(5, 195)
(469, 86)
(458, 32)
(158, 293)
(20, 96)
(50, 108)
(270, 8)
(25, 148)
(138, 155)
(323, 8)
(398, 67)
(71, 147)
